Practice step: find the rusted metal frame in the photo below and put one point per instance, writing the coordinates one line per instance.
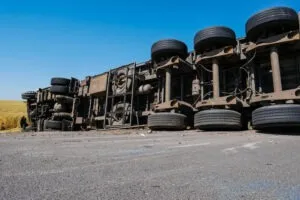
(91, 106)
(278, 94)
(172, 104)
(106, 98)
(125, 96)
(202, 84)
(214, 54)
(121, 67)
(274, 40)
(173, 61)
(74, 113)
(216, 86)
(138, 106)
(166, 82)
(292, 94)
(181, 87)
(220, 101)
(112, 98)
(158, 90)
(132, 94)
(97, 85)
(226, 102)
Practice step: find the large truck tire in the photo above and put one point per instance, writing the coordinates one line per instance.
(56, 125)
(218, 119)
(62, 115)
(216, 37)
(271, 21)
(60, 81)
(281, 116)
(59, 89)
(29, 95)
(166, 121)
(64, 99)
(168, 48)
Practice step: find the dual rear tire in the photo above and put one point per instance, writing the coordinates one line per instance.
(218, 119)
(63, 125)
(167, 121)
(214, 38)
(30, 95)
(276, 116)
(265, 23)
(60, 86)
(61, 118)
(56, 125)
(163, 49)
(271, 22)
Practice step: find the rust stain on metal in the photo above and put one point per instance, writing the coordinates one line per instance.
(98, 84)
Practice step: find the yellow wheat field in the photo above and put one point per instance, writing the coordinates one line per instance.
(10, 114)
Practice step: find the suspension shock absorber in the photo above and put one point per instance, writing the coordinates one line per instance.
(168, 85)
(277, 86)
(216, 85)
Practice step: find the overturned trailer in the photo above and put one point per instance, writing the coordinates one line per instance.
(224, 83)
(120, 98)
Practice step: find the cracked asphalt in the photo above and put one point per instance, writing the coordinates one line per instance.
(133, 164)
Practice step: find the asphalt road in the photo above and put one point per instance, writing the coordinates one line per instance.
(164, 165)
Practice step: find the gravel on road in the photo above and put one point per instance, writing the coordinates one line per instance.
(132, 164)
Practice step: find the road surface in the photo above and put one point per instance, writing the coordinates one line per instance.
(160, 165)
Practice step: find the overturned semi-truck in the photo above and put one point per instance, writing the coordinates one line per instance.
(223, 83)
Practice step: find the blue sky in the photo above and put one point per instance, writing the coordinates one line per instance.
(44, 39)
